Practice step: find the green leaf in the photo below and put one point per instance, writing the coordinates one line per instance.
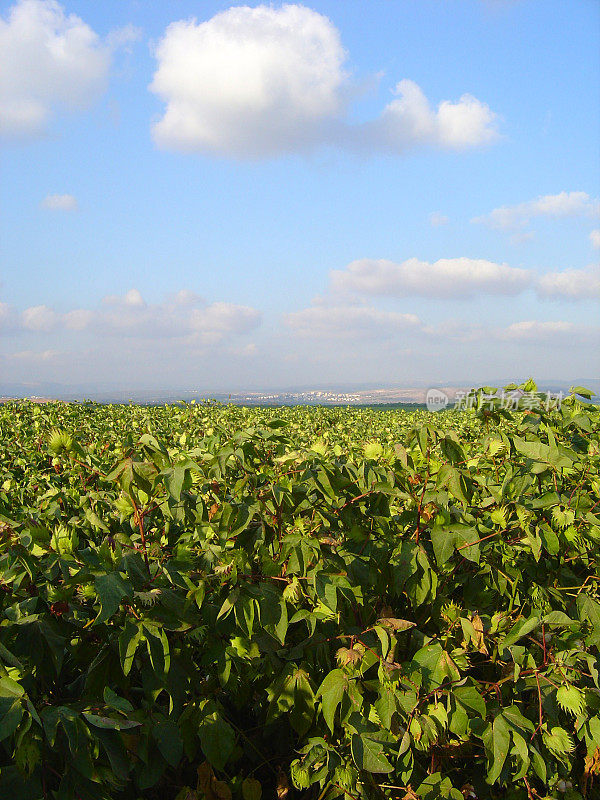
(326, 590)
(500, 748)
(589, 611)
(536, 451)
(518, 631)
(368, 755)
(168, 740)
(174, 479)
(111, 589)
(386, 705)
(469, 697)
(129, 639)
(251, 789)
(558, 619)
(11, 710)
(333, 688)
(158, 649)
(452, 450)
(114, 701)
(582, 391)
(444, 543)
(217, 739)
(451, 478)
(110, 722)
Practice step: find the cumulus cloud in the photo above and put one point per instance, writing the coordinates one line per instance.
(249, 81)
(565, 204)
(258, 82)
(571, 284)
(447, 277)
(460, 278)
(50, 60)
(131, 299)
(184, 315)
(595, 238)
(325, 322)
(60, 202)
(39, 319)
(409, 121)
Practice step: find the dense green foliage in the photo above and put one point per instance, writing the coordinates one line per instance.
(204, 601)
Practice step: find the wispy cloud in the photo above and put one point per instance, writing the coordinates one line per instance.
(359, 325)
(555, 206)
(60, 202)
(325, 322)
(436, 219)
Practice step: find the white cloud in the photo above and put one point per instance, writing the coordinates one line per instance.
(60, 202)
(132, 298)
(342, 330)
(521, 236)
(78, 320)
(219, 319)
(49, 60)
(447, 277)
(39, 319)
(571, 284)
(324, 322)
(565, 204)
(595, 238)
(257, 82)
(8, 317)
(527, 332)
(249, 81)
(436, 219)
(534, 330)
(460, 278)
(409, 121)
(184, 316)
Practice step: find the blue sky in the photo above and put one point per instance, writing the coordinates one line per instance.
(223, 197)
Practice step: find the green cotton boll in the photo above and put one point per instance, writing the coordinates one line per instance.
(58, 594)
(293, 591)
(345, 777)
(59, 441)
(498, 517)
(124, 505)
(495, 447)
(300, 775)
(86, 592)
(64, 541)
